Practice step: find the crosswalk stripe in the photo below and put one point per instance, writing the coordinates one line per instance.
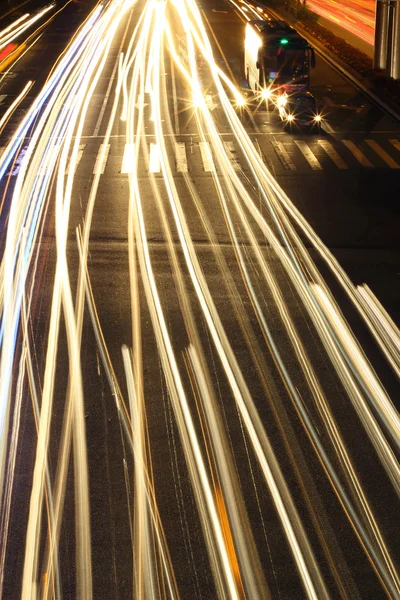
(101, 159)
(78, 159)
(208, 162)
(154, 165)
(396, 144)
(231, 152)
(308, 155)
(383, 154)
(331, 152)
(356, 152)
(283, 155)
(180, 155)
(128, 160)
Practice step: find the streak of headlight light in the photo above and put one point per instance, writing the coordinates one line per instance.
(116, 392)
(296, 274)
(13, 24)
(384, 407)
(270, 479)
(240, 10)
(383, 449)
(124, 86)
(381, 558)
(249, 571)
(143, 550)
(4, 366)
(169, 362)
(18, 180)
(15, 141)
(60, 484)
(182, 411)
(62, 293)
(253, 151)
(275, 186)
(193, 266)
(143, 482)
(328, 257)
(238, 96)
(231, 487)
(12, 36)
(383, 328)
(37, 205)
(32, 542)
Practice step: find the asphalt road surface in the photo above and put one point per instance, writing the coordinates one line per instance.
(199, 377)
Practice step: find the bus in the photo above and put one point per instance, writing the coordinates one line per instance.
(277, 59)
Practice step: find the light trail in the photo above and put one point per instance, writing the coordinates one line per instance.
(253, 209)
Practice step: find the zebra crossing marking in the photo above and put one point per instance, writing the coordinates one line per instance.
(383, 154)
(360, 156)
(281, 149)
(154, 163)
(283, 155)
(208, 162)
(232, 155)
(333, 154)
(308, 155)
(128, 160)
(101, 159)
(180, 156)
(81, 148)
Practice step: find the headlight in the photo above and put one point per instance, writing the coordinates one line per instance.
(290, 118)
(266, 93)
(317, 118)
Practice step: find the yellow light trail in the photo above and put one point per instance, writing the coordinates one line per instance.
(45, 182)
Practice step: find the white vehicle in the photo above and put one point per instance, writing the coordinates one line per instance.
(276, 58)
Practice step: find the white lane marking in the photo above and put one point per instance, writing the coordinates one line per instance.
(283, 155)
(208, 162)
(396, 144)
(180, 155)
(128, 160)
(154, 164)
(232, 155)
(78, 159)
(383, 154)
(101, 159)
(356, 152)
(308, 155)
(331, 152)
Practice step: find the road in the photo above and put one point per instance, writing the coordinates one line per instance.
(193, 402)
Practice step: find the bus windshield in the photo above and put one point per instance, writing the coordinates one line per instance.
(283, 64)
